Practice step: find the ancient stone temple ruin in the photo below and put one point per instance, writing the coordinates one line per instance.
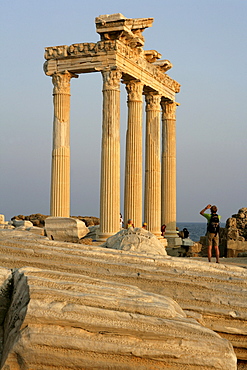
(120, 58)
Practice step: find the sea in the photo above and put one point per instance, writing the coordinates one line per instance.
(196, 229)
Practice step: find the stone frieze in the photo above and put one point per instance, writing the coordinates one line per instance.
(101, 48)
(89, 48)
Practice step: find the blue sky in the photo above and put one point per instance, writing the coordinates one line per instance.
(206, 43)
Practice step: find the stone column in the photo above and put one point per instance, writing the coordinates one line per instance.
(133, 161)
(60, 168)
(168, 171)
(110, 156)
(152, 199)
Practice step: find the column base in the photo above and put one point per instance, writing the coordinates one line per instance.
(102, 237)
(157, 234)
(171, 233)
(174, 242)
(175, 247)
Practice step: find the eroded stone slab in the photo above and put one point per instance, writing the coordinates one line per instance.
(136, 240)
(78, 322)
(66, 229)
(22, 223)
(215, 295)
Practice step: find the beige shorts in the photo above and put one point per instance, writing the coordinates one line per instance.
(212, 239)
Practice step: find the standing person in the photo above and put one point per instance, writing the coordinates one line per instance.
(213, 229)
(129, 223)
(121, 221)
(163, 230)
(186, 233)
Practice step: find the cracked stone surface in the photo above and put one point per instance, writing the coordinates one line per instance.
(75, 306)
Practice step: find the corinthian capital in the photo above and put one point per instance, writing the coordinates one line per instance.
(152, 101)
(111, 79)
(168, 109)
(61, 82)
(134, 89)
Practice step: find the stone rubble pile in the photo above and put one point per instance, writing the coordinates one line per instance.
(38, 219)
(236, 233)
(72, 229)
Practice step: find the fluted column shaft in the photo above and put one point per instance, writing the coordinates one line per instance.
(168, 168)
(110, 156)
(60, 169)
(133, 161)
(152, 201)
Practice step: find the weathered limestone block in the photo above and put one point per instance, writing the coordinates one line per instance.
(136, 240)
(194, 250)
(236, 233)
(22, 223)
(234, 247)
(231, 222)
(213, 294)
(239, 222)
(37, 230)
(233, 233)
(89, 220)
(66, 229)
(187, 242)
(6, 226)
(188, 249)
(21, 236)
(66, 321)
(93, 232)
(5, 299)
(19, 299)
(2, 219)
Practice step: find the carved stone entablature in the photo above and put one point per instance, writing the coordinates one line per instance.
(159, 75)
(118, 27)
(90, 48)
(128, 52)
(77, 50)
(54, 52)
(82, 49)
(118, 22)
(164, 65)
(152, 55)
(136, 55)
(120, 48)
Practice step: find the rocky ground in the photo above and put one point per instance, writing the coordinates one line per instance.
(39, 220)
(126, 310)
(236, 261)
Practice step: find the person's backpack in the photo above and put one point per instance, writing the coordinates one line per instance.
(214, 224)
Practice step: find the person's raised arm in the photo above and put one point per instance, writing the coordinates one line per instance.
(204, 209)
